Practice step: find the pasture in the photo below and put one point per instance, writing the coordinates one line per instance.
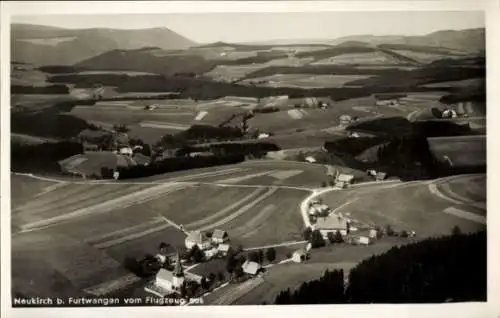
(368, 58)
(306, 81)
(426, 57)
(463, 151)
(405, 207)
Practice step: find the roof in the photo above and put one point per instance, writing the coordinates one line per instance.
(250, 267)
(460, 151)
(196, 237)
(331, 222)
(219, 234)
(163, 274)
(224, 247)
(345, 177)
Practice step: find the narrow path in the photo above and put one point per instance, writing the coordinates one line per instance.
(275, 245)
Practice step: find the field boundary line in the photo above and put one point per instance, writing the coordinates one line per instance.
(133, 236)
(275, 245)
(241, 210)
(226, 209)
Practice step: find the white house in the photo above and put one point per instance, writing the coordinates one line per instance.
(263, 136)
(363, 240)
(251, 268)
(126, 151)
(197, 238)
(381, 176)
(219, 236)
(223, 248)
(300, 255)
(373, 234)
(310, 159)
(331, 224)
(347, 178)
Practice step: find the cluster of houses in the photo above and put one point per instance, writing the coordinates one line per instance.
(169, 282)
(212, 245)
(377, 175)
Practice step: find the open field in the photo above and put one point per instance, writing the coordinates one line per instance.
(426, 57)
(65, 266)
(461, 151)
(265, 289)
(405, 207)
(275, 219)
(306, 80)
(288, 122)
(368, 58)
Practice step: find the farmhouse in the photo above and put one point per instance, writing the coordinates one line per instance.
(197, 238)
(345, 119)
(387, 99)
(332, 224)
(251, 268)
(125, 151)
(223, 249)
(381, 176)
(343, 180)
(300, 255)
(310, 159)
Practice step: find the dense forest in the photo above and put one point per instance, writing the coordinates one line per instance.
(435, 270)
(42, 158)
(50, 89)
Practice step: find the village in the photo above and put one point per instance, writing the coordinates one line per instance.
(170, 271)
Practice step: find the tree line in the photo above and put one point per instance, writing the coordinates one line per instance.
(435, 270)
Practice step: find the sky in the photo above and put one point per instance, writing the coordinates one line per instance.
(253, 27)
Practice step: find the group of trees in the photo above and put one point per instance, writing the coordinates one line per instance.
(49, 89)
(259, 256)
(47, 124)
(444, 269)
(42, 158)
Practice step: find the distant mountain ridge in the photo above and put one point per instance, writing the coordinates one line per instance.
(467, 40)
(43, 45)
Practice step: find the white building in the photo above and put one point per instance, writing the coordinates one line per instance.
(197, 238)
(223, 249)
(310, 159)
(332, 224)
(263, 136)
(126, 151)
(300, 255)
(251, 268)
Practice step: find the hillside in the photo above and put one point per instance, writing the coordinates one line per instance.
(41, 45)
(469, 40)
